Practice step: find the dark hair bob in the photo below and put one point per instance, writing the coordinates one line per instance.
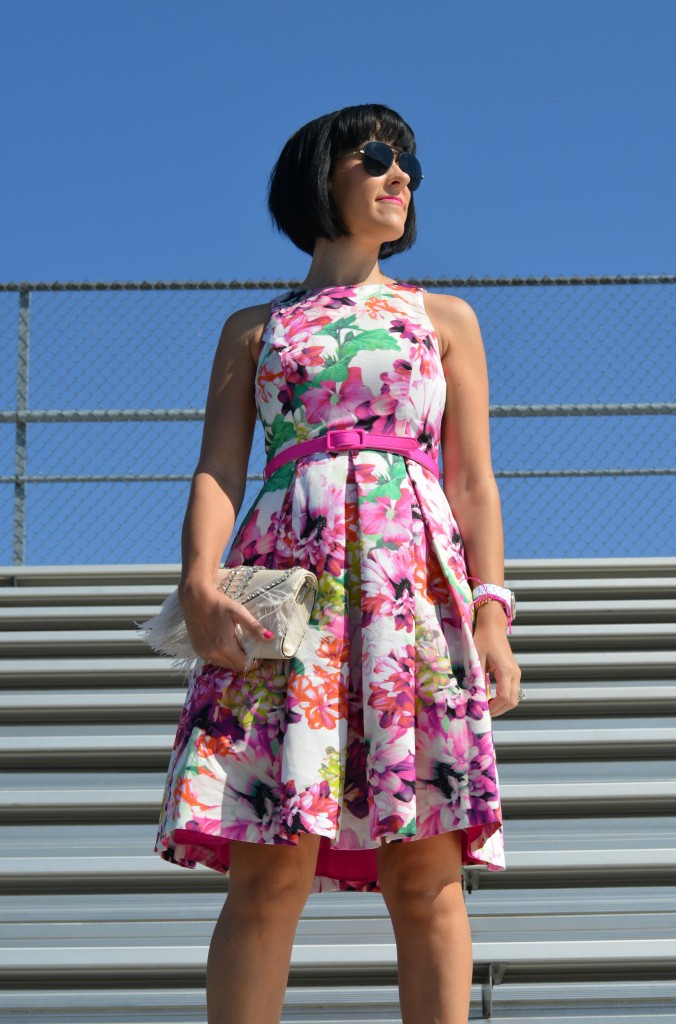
(299, 198)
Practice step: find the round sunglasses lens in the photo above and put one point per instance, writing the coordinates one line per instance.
(377, 158)
(411, 166)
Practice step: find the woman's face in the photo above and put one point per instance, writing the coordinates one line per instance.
(374, 208)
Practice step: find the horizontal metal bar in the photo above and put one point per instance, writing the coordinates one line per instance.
(126, 478)
(103, 478)
(582, 409)
(657, 471)
(509, 474)
(179, 415)
(116, 478)
(149, 286)
(543, 577)
(426, 282)
(99, 415)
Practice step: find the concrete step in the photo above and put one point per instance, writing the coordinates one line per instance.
(47, 672)
(348, 962)
(583, 1002)
(589, 637)
(533, 581)
(118, 803)
(535, 868)
(519, 569)
(77, 617)
(82, 746)
(148, 595)
(601, 638)
(89, 858)
(592, 903)
(76, 643)
(610, 611)
(88, 613)
(324, 927)
(153, 574)
(591, 666)
(70, 707)
(583, 568)
(545, 835)
(162, 706)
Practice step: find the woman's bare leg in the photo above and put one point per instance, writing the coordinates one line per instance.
(421, 882)
(248, 962)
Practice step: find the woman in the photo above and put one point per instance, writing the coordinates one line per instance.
(370, 765)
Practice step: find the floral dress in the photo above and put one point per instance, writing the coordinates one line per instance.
(383, 733)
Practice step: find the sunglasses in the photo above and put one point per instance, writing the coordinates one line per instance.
(378, 157)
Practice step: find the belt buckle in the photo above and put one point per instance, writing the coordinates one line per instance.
(333, 445)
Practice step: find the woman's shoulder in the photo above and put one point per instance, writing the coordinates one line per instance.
(446, 305)
(242, 332)
(247, 318)
(452, 317)
(255, 317)
(246, 324)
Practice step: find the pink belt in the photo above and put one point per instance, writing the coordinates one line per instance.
(343, 440)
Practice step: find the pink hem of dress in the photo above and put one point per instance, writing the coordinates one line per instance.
(187, 848)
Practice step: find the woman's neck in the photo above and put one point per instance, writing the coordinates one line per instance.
(342, 263)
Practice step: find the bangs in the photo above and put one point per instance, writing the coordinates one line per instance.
(355, 125)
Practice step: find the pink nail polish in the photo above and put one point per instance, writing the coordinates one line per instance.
(268, 634)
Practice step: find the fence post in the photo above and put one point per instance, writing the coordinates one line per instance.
(20, 453)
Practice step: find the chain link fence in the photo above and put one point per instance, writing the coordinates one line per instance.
(104, 386)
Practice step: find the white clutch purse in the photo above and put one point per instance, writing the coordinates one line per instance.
(281, 599)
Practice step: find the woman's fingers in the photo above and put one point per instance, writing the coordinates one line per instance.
(227, 653)
(250, 625)
(507, 676)
(497, 660)
(230, 635)
(249, 632)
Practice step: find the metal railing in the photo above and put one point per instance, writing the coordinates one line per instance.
(598, 346)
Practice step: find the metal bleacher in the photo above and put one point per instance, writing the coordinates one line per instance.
(581, 927)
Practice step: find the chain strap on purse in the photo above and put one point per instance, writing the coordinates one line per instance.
(280, 599)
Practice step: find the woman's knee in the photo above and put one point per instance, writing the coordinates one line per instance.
(272, 879)
(418, 876)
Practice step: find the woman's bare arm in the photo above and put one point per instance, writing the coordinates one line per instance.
(218, 488)
(468, 480)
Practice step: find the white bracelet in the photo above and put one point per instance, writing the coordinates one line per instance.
(491, 592)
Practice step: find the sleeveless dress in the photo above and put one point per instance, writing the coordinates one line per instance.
(384, 733)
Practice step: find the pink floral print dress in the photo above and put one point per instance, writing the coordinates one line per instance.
(384, 733)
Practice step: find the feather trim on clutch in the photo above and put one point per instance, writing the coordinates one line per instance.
(280, 599)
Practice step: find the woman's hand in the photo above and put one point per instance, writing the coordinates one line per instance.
(496, 656)
(212, 620)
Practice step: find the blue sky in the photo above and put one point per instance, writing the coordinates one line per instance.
(138, 136)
